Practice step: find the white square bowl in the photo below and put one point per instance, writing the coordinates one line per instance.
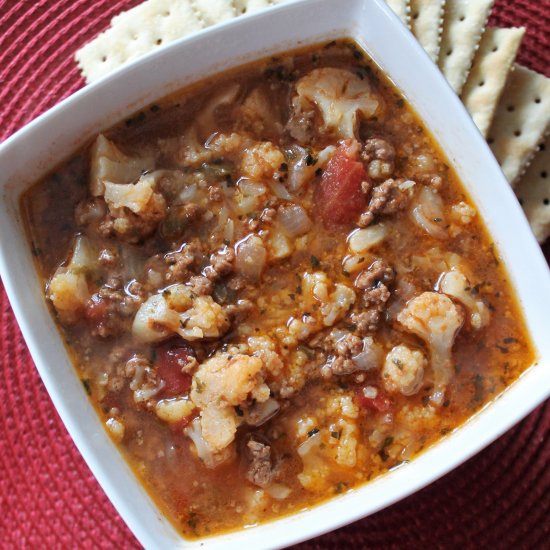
(41, 145)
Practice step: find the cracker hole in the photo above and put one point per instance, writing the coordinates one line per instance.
(462, 17)
(415, 15)
(490, 140)
(449, 52)
(165, 14)
(537, 99)
(543, 174)
(510, 108)
(104, 59)
(517, 133)
(495, 49)
(546, 202)
(481, 83)
(158, 42)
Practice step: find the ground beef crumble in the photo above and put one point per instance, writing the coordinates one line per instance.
(260, 470)
(385, 198)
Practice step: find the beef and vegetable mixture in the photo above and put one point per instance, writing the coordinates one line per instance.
(274, 288)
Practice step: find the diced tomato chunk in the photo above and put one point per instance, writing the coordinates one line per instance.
(380, 403)
(169, 362)
(339, 197)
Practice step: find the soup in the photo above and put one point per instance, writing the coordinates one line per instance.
(274, 288)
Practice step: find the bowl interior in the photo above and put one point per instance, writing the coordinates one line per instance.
(48, 140)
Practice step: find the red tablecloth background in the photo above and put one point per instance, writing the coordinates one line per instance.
(49, 498)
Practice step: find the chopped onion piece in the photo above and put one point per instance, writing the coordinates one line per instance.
(251, 188)
(310, 443)
(280, 246)
(371, 357)
(365, 239)
(280, 191)
(278, 491)
(260, 413)
(294, 220)
(250, 257)
(229, 232)
(84, 257)
(352, 263)
(189, 193)
(428, 214)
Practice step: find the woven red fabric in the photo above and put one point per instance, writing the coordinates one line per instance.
(48, 497)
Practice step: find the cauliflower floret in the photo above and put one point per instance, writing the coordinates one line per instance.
(210, 459)
(177, 310)
(455, 284)
(316, 468)
(174, 410)
(346, 450)
(259, 114)
(403, 370)
(229, 146)
(340, 95)
(436, 319)
(134, 196)
(68, 288)
(108, 163)
(334, 305)
(463, 212)
(264, 348)
(69, 294)
(261, 160)
(220, 384)
(343, 404)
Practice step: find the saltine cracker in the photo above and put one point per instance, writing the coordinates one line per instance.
(533, 192)
(463, 25)
(427, 24)
(522, 119)
(487, 78)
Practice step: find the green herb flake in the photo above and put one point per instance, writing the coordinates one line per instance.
(36, 251)
(315, 263)
(340, 487)
(313, 432)
(310, 160)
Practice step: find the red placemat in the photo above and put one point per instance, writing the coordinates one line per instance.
(49, 498)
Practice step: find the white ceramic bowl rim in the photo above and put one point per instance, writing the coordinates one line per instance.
(45, 142)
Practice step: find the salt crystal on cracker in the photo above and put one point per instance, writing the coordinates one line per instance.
(533, 192)
(136, 32)
(521, 121)
(487, 78)
(427, 24)
(401, 8)
(463, 25)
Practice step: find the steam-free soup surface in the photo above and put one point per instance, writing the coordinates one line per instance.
(274, 288)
